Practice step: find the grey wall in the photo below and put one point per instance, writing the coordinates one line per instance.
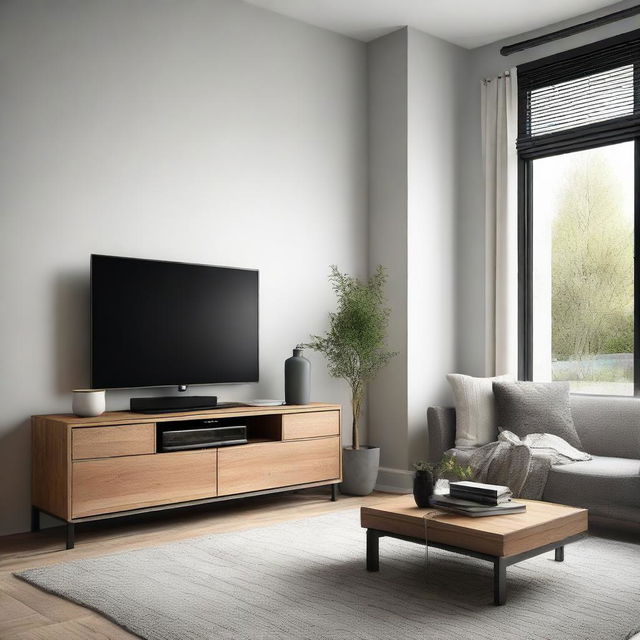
(209, 132)
(416, 85)
(437, 79)
(486, 62)
(388, 197)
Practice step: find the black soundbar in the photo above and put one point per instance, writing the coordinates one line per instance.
(172, 404)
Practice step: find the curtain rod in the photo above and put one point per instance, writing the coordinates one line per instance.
(570, 31)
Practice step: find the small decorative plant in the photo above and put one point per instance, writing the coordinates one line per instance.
(354, 345)
(448, 468)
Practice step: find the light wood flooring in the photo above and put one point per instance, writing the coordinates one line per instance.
(27, 613)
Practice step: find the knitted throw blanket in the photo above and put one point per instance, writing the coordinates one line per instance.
(522, 464)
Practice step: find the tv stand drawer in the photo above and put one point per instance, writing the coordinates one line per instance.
(132, 482)
(310, 425)
(117, 440)
(266, 465)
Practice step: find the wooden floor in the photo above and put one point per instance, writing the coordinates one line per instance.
(26, 613)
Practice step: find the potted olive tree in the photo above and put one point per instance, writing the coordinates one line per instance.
(354, 347)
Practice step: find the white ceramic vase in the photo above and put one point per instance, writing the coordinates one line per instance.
(88, 402)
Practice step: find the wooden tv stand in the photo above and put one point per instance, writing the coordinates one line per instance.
(87, 469)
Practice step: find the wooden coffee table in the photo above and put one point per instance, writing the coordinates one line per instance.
(501, 540)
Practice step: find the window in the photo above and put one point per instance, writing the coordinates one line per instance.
(579, 150)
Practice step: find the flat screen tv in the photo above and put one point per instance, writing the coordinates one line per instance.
(157, 323)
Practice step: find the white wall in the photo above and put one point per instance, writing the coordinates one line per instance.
(437, 78)
(486, 62)
(415, 91)
(209, 132)
(387, 396)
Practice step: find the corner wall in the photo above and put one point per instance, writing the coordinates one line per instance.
(437, 77)
(415, 92)
(388, 201)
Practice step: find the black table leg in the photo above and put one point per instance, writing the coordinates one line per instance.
(70, 535)
(373, 550)
(334, 492)
(500, 563)
(35, 519)
(499, 581)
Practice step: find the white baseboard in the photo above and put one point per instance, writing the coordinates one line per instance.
(394, 480)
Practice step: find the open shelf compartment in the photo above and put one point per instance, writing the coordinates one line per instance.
(186, 434)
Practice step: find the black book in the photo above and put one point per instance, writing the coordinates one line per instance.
(478, 499)
(474, 510)
(465, 488)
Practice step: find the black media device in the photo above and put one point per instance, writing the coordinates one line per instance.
(157, 323)
(172, 404)
(199, 434)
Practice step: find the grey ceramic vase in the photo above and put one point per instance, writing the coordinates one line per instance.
(297, 378)
(359, 470)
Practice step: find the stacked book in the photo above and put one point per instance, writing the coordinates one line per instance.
(476, 499)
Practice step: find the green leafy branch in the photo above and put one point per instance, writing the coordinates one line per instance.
(448, 468)
(354, 344)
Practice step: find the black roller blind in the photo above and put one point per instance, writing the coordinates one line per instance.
(581, 98)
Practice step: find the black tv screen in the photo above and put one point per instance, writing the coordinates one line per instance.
(157, 323)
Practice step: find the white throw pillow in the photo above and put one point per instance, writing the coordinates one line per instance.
(475, 409)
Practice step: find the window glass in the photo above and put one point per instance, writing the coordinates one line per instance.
(582, 251)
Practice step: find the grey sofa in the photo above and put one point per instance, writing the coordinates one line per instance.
(609, 484)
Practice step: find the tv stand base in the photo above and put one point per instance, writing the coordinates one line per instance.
(70, 527)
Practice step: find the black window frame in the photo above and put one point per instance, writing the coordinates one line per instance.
(589, 136)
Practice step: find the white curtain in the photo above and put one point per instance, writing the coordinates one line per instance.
(499, 131)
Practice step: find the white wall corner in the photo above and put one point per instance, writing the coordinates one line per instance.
(394, 480)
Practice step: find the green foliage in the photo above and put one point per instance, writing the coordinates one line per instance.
(354, 345)
(423, 465)
(451, 469)
(448, 468)
(592, 374)
(592, 265)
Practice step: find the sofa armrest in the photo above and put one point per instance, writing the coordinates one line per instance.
(441, 431)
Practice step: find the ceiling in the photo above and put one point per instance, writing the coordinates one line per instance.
(468, 23)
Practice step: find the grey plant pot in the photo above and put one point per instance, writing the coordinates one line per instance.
(359, 470)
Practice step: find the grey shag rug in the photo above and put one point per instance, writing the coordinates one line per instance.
(306, 579)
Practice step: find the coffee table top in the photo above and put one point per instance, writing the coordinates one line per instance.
(504, 535)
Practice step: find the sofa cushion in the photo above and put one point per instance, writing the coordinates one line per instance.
(535, 407)
(607, 425)
(608, 487)
(475, 409)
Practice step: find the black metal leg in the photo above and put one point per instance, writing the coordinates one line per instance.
(70, 535)
(334, 492)
(373, 550)
(499, 581)
(500, 563)
(35, 519)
